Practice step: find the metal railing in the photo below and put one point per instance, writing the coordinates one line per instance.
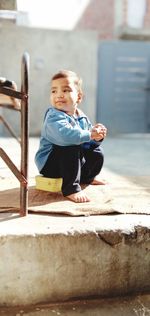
(22, 174)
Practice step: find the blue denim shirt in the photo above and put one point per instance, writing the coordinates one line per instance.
(61, 129)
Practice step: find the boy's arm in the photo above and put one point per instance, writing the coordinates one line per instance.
(59, 131)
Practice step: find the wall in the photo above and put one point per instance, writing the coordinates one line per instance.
(126, 31)
(49, 51)
(147, 15)
(8, 5)
(99, 15)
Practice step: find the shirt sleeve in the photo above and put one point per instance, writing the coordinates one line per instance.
(60, 131)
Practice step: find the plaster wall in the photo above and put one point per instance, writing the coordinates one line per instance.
(49, 51)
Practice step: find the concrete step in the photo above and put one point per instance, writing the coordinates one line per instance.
(121, 306)
(58, 258)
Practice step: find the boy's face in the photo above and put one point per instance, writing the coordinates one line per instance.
(64, 95)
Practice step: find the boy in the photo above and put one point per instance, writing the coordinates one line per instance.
(70, 145)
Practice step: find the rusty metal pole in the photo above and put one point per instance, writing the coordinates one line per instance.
(24, 134)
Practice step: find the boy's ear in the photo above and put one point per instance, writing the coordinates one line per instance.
(80, 96)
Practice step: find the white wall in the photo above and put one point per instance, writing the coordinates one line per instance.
(49, 51)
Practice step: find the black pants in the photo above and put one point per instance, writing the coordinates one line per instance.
(75, 164)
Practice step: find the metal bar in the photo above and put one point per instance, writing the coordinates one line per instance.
(24, 134)
(11, 131)
(12, 167)
(13, 93)
(22, 175)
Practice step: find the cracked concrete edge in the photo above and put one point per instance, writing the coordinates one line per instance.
(112, 238)
(138, 305)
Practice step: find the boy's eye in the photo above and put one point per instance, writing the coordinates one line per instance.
(67, 90)
(53, 91)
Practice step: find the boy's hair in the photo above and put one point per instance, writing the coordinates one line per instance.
(69, 74)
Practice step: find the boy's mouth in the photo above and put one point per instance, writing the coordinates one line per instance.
(60, 102)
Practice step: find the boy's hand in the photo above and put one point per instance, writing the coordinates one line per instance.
(98, 132)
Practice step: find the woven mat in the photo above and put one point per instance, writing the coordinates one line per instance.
(121, 196)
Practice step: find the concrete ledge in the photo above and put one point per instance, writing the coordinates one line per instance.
(121, 306)
(47, 258)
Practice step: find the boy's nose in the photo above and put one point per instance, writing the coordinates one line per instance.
(60, 95)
